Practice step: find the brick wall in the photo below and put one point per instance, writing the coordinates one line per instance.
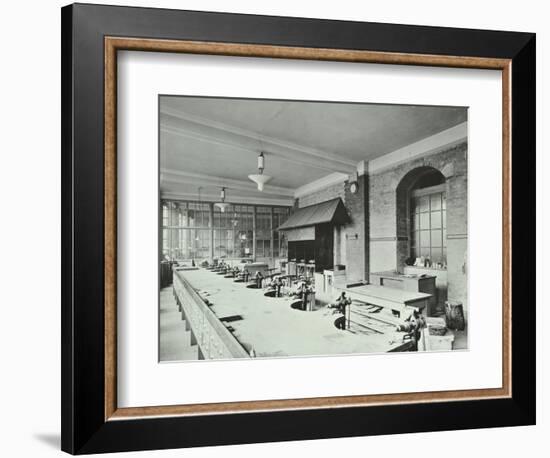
(377, 238)
(389, 226)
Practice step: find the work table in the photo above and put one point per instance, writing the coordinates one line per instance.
(272, 328)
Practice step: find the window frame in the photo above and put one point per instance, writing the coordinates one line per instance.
(415, 251)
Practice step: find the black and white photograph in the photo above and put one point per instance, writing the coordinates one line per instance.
(274, 229)
(293, 228)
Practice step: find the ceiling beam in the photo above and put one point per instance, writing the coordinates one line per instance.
(184, 124)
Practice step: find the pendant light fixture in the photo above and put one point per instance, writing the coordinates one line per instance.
(260, 179)
(223, 204)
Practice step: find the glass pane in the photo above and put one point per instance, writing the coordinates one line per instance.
(425, 252)
(165, 251)
(416, 238)
(206, 249)
(191, 215)
(425, 239)
(246, 243)
(444, 200)
(444, 237)
(186, 232)
(435, 201)
(205, 215)
(436, 238)
(424, 203)
(436, 255)
(219, 243)
(284, 246)
(228, 236)
(444, 218)
(424, 220)
(174, 244)
(436, 220)
(182, 218)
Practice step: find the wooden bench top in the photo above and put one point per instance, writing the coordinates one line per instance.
(388, 294)
(399, 276)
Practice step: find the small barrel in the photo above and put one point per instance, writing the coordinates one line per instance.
(454, 315)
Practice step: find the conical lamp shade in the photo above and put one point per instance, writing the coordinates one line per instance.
(222, 206)
(260, 180)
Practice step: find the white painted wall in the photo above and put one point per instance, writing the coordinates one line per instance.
(30, 174)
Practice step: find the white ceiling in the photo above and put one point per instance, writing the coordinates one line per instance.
(214, 142)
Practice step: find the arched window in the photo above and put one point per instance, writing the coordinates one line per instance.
(428, 219)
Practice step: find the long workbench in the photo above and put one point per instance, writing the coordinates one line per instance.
(265, 326)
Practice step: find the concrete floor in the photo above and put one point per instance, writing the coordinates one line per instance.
(175, 341)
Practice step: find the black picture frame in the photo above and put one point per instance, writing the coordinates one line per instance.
(84, 428)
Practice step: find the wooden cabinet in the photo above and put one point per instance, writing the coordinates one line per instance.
(166, 273)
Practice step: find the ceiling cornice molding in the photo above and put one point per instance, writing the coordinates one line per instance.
(204, 129)
(233, 199)
(429, 145)
(321, 183)
(181, 177)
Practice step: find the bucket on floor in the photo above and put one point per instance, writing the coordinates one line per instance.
(454, 315)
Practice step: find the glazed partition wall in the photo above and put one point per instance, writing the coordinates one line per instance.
(200, 230)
